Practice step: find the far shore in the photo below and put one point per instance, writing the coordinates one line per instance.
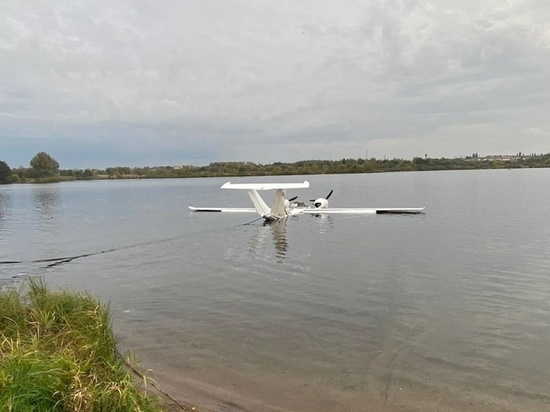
(306, 167)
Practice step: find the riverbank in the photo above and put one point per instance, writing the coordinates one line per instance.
(58, 352)
(303, 167)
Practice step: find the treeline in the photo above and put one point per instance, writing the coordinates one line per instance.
(308, 167)
(45, 169)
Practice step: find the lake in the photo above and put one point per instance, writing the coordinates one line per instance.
(444, 311)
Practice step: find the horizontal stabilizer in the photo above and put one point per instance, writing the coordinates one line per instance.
(266, 186)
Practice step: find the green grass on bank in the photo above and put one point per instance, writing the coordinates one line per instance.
(58, 353)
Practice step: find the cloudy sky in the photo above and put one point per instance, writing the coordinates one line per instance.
(167, 82)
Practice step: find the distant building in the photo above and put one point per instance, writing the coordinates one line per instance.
(491, 158)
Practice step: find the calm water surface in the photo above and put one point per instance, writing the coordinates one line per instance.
(446, 311)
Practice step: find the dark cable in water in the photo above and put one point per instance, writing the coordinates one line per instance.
(249, 223)
(66, 259)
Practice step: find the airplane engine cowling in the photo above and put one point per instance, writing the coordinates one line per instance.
(320, 203)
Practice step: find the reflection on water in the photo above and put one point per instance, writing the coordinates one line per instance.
(46, 201)
(278, 230)
(326, 222)
(3, 199)
(259, 244)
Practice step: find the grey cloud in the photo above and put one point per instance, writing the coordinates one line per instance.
(264, 81)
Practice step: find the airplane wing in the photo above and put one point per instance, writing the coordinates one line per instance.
(266, 186)
(363, 211)
(223, 209)
(279, 207)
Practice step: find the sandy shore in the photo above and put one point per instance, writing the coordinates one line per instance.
(229, 391)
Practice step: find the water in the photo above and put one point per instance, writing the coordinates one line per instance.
(443, 311)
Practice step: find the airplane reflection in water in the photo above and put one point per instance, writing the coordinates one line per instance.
(278, 232)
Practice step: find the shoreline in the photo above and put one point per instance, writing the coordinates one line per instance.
(222, 388)
(58, 352)
(300, 168)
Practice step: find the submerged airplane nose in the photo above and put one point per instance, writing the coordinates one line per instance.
(320, 203)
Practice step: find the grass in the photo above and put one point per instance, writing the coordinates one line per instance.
(58, 353)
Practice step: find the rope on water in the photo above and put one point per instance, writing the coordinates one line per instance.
(149, 380)
(56, 261)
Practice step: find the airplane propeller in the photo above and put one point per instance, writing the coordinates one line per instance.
(319, 203)
(329, 195)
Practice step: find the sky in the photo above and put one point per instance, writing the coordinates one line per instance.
(172, 82)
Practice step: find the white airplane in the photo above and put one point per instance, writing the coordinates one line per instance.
(282, 208)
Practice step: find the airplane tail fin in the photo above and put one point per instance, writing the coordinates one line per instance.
(278, 208)
(262, 209)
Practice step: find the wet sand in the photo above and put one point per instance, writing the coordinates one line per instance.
(392, 378)
(386, 389)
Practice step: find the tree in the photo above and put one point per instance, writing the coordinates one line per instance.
(44, 165)
(5, 172)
